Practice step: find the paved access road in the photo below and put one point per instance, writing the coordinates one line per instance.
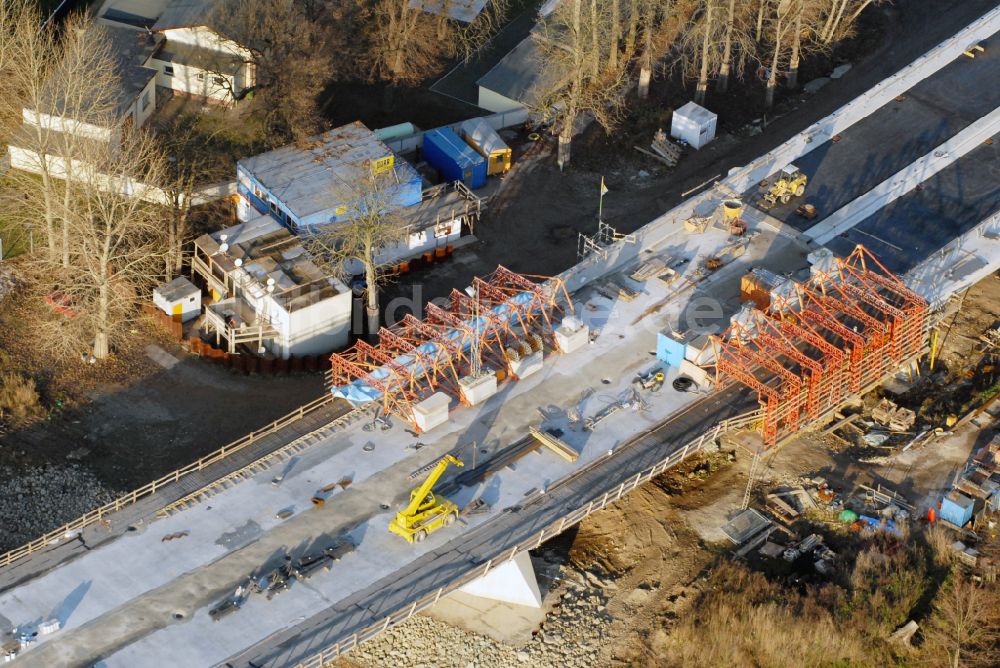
(442, 567)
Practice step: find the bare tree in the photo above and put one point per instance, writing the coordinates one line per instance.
(191, 161)
(716, 43)
(575, 78)
(19, 21)
(840, 16)
(403, 43)
(292, 47)
(739, 45)
(117, 244)
(963, 629)
(473, 37)
(779, 26)
(69, 90)
(342, 247)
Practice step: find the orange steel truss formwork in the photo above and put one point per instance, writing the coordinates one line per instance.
(821, 341)
(511, 315)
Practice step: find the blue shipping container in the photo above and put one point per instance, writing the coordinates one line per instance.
(456, 160)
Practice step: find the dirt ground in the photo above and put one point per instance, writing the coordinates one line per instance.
(129, 419)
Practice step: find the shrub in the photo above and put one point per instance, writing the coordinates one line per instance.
(19, 403)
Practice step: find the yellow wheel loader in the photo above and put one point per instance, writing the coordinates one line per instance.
(426, 513)
(791, 183)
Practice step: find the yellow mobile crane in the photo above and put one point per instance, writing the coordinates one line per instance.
(426, 513)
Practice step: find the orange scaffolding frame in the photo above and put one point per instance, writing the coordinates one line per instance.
(845, 329)
(509, 314)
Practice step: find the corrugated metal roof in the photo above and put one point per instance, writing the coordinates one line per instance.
(696, 113)
(323, 172)
(463, 154)
(517, 73)
(484, 136)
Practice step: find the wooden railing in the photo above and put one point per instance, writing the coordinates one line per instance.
(72, 529)
(328, 654)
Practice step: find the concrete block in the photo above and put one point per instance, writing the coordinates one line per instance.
(696, 373)
(477, 390)
(572, 336)
(432, 411)
(526, 366)
(511, 582)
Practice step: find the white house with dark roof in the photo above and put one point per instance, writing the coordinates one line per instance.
(193, 58)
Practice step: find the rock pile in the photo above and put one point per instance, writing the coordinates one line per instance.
(40, 499)
(570, 637)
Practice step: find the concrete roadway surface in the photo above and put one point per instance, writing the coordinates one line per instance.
(895, 135)
(443, 566)
(145, 510)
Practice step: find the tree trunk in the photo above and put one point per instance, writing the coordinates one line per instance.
(565, 138)
(595, 45)
(646, 66)
(699, 94)
(615, 36)
(371, 292)
(632, 34)
(50, 220)
(760, 21)
(828, 37)
(645, 74)
(101, 347)
(793, 63)
(772, 77)
(727, 49)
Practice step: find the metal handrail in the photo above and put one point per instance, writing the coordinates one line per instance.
(331, 652)
(72, 529)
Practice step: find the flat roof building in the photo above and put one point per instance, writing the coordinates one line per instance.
(268, 293)
(321, 180)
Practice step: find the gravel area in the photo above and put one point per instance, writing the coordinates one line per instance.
(40, 499)
(572, 635)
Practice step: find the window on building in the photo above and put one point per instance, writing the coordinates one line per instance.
(257, 193)
(145, 100)
(168, 70)
(219, 81)
(274, 206)
(200, 76)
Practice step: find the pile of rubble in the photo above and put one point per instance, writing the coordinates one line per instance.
(37, 500)
(572, 635)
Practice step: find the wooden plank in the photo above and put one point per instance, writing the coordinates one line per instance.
(555, 444)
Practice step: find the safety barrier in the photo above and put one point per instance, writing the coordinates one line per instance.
(323, 657)
(72, 529)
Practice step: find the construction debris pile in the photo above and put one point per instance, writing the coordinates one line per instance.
(272, 582)
(788, 529)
